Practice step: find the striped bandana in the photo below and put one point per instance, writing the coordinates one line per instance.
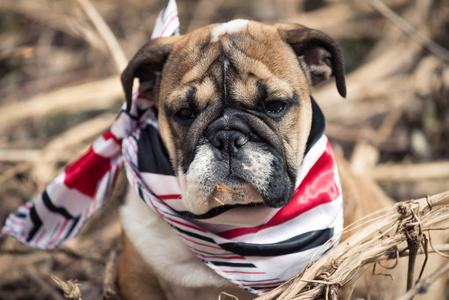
(255, 247)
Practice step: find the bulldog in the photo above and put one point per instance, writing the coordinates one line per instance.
(236, 120)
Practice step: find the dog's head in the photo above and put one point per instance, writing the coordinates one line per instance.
(234, 106)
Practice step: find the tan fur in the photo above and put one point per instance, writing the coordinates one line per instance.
(266, 58)
(135, 278)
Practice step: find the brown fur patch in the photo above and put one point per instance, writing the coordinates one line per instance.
(135, 278)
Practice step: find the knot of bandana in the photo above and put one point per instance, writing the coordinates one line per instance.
(257, 248)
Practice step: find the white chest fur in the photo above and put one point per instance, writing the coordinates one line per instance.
(162, 249)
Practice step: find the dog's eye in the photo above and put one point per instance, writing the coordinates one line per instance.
(186, 114)
(274, 107)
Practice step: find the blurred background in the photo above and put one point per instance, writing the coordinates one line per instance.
(59, 90)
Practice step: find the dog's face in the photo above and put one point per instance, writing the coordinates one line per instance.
(234, 107)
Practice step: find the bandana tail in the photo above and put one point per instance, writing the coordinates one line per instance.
(75, 195)
(167, 23)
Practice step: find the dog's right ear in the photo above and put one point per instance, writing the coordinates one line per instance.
(147, 65)
(319, 55)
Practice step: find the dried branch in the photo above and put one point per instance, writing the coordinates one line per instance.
(410, 172)
(422, 286)
(105, 32)
(64, 250)
(17, 169)
(70, 288)
(74, 139)
(407, 28)
(204, 13)
(19, 155)
(101, 94)
(44, 285)
(110, 277)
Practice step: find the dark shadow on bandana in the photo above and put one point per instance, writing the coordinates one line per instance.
(151, 153)
(318, 126)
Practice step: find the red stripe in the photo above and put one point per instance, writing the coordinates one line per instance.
(58, 235)
(85, 173)
(151, 202)
(8, 231)
(238, 272)
(168, 24)
(215, 256)
(142, 97)
(318, 187)
(201, 244)
(109, 135)
(170, 197)
(39, 238)
(264, 284)
(134, 148)
(185, 224)
(15, 222)
(22, 235)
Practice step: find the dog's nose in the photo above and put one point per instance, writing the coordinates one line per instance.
(228, 141)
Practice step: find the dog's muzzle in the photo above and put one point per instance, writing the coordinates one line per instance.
(242, 154)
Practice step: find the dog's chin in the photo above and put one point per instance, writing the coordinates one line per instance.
(227, 193)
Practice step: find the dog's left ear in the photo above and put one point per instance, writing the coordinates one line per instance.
(319, 55)
(147, 65)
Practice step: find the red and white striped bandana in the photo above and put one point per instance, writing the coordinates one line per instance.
(257, 248)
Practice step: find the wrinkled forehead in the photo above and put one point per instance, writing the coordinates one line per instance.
(240, 54)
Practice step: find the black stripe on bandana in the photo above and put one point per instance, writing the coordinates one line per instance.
(51, 207)
(231, 264)
(69, 232)
(37, 223)
(295, 244)
(151, 153)
(194, 235)
(19, 215)
(61, 211)
(318, 125)
(269, 287)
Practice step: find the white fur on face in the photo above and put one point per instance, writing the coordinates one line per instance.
(199, 183)
(229, 27)
(259, 166)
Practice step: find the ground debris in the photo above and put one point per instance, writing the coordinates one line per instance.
(70, 288)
